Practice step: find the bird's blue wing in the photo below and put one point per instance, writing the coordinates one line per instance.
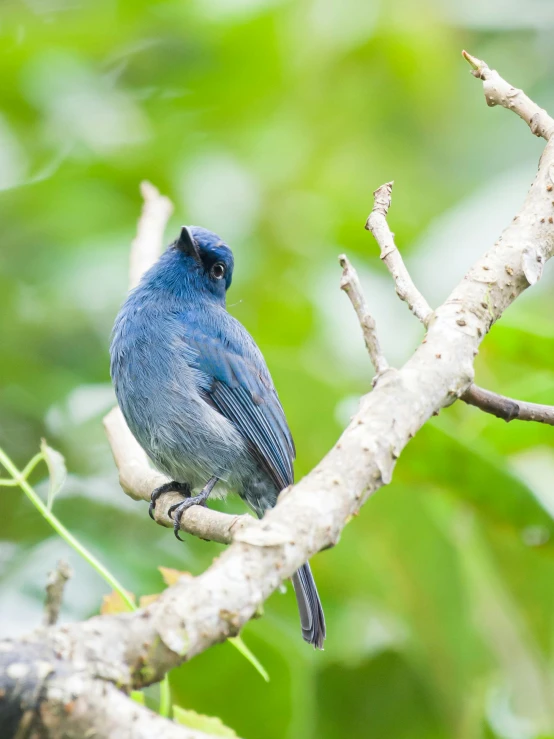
(235, 380)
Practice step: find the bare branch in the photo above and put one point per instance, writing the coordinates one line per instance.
(73, 706)
(198, 612)
(42, 695)
(499, 92)
(532, 261)
(350, 283)
(135, 649)
(54, 592)
(507, 408)
(487, 401)
(377, 224)
(148, 243)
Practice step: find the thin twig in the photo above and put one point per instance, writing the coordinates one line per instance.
(350, 283)
(377, 224)
(499, 92)
(54, 592)
(148, 243)
(507, 408)
(487, 401)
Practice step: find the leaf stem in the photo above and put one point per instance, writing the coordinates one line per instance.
(30, 466)
(19, 478)
(164, 709)
(238, 643)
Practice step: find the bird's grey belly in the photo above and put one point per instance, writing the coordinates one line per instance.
(184, 437)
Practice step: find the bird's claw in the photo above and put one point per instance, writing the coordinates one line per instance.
(176, 511)
(168, 487)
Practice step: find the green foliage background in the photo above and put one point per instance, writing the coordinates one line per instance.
(271, 121)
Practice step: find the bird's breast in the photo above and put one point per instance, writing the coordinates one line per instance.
(160, 393)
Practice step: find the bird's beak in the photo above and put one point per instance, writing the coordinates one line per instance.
(187, 244)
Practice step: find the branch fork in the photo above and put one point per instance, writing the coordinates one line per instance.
(497, 92)
(86, 661)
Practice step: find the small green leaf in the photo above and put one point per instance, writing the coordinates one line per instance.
(237, 642)
(137, 696)
(208, 724)
(56, 469)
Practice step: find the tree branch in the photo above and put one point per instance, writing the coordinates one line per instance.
(350, 283)
(499, 92)
(379, 227)
(485, 400)
(507, 408)
(54, 592)
(148, 243)
(196, 613)
(42, 695)
(136, 649)
(65, 698)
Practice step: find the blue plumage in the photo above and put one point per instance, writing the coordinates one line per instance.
(196, 392)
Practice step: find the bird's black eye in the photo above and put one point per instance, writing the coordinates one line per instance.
(218, 271)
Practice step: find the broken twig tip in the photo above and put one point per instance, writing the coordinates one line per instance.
(472, 60)
(54, 592)
(147, 190)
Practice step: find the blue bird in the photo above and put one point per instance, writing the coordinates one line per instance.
(197, 394)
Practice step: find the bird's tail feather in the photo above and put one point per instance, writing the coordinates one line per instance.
(309, 606)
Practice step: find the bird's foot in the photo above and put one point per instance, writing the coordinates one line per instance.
(169, 487)
(176, 511)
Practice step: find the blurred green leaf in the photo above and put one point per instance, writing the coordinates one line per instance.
(384, 696)
(208, 724)
(479, 476)
(138, 697)
(238, 643)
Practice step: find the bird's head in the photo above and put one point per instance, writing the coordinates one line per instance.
(209, 256)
